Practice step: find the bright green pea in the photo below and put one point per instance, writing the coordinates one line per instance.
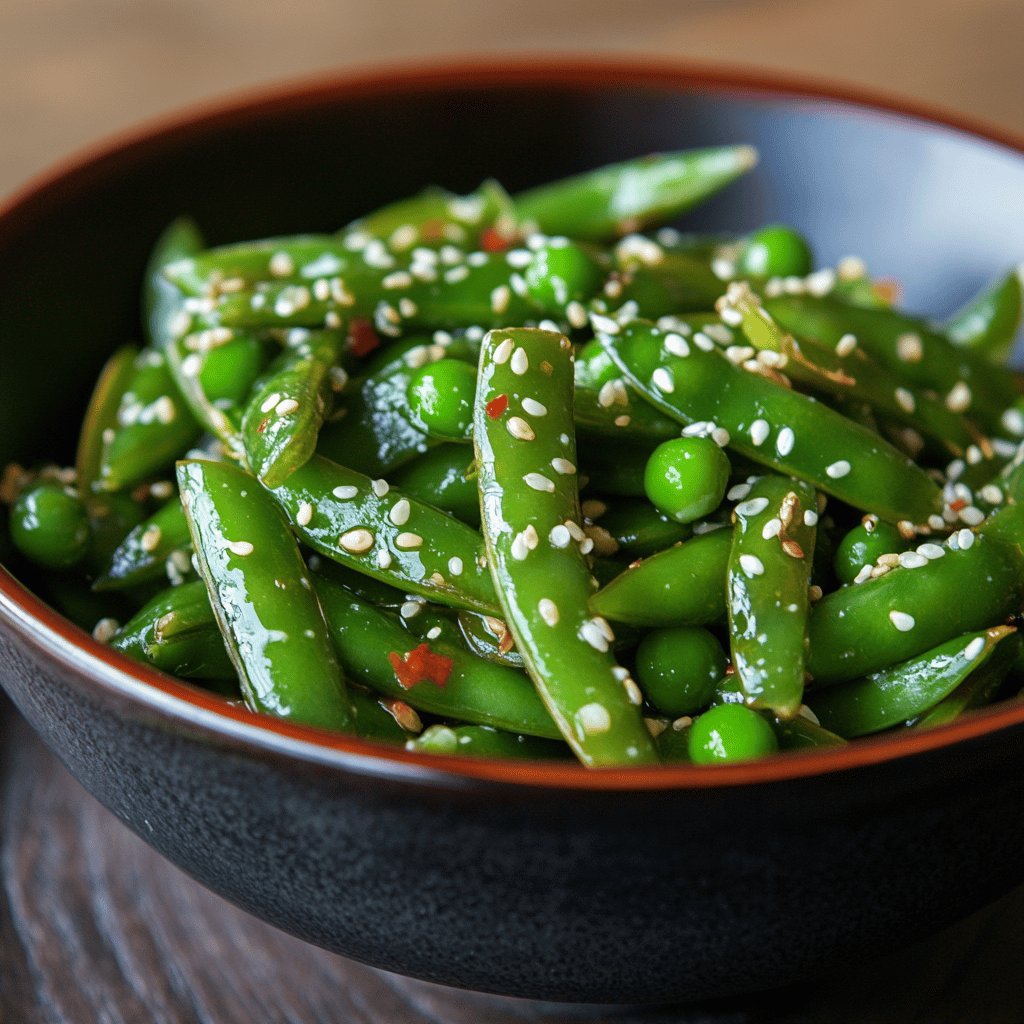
(685, 478)
(775, 251)
(441, 396)
(863, 545)
(677, 669)
(50, 525)
(730, 732)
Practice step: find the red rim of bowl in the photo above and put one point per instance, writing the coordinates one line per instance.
(190, 707)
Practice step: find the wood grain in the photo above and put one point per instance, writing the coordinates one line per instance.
(96, 927)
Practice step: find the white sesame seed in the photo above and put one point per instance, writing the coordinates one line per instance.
(703, 342)
(905, 400)
(912, 560)
(586, 545)
(864, 574)
(721, 437)
(519, 428)
(810, 517)
(754, 507)
(902, 621)
(539, 482)
(959, 397)
(500, 298)
(909, 348)
(752, 565)
(931, 551)
(719, 333)
(845, 345)
(593, 635)
(380, 487)
(105, 629)
(548, 611)
(974, 455)
(972, 516)
(560, 536)
(519, 547)
(281, 265)
(576, 314)
(974, 648)
(622, 421)
(821, 282)
(503, 351)
(150, 539)
(408, 541)
(837, 470)
(965, 538)
(992, 494)
(286, 406)
(785, 441)
(534, 408)
(192, 365)
(407, 308)
(455, 565)
(759, 431)
(563, 466)
(772, 528)
(677, 345)
(1013, 421)
(606, 396)
(240, 547)
(304, 514)
(345, 491)
(357, 541)
(384, 558)
(604, 324)
(163, 409)
(663, 380)
(633, 693)
(399, 279)
(410, 609)
(851, 268)
(594, 718)
(738, 492)
(520, 362)
(400, 511)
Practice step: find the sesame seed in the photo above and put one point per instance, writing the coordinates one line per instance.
(384, 558)
(281, 265)
(845, 345)
(520, 429)
(677, 345)
(772, 528)
(594, 718)
(576, 314)
(455, 565)
(408, 541)
(721, 436)
(192, 365)
(400, 511)
(759, 430)
(500, 298)
(286, 406)
(150, 539)
(105, 629)
(434, 632)
(959, 397)
(1013, 421)
(863, 575)
(785, 441)
(974, 648)
(905, 400)
(890, 559)
(563, 466)
(965, 538)
(594, 635)
(972, 516)
(239, 547)
(752, 565)
(936, 522)
(345, 491)
(604, 324)
(607, 395)
(559, 536)
(503, 351)
(703, 342)
(909, 348)
(810, 517)
(738, 492)
(902, 621)
(663, 380)
(974, 455)
(837, 470)
(304, 514)
(379, 487)
(357, 541)
(586, 545)
(539, 482)
(456, 274)
(754, 507)
(519, 548)
(399, 279)
(410, 609)
(534, 408)
(520, 362)
(912, 560)
(407, 308)
(548, 611)
(622, 421)
(992, 494)
(931, 551)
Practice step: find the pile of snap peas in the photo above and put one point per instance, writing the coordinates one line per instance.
(538, 476)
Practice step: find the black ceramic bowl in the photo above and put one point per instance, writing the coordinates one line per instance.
(533, 880)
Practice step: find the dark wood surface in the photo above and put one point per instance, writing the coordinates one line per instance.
(96, 927)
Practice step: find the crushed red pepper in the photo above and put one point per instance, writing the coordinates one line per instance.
(492, 240)
(496, 406)
(363, 337)
(420, 665)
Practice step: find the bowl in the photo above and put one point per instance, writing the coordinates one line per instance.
(544, 881)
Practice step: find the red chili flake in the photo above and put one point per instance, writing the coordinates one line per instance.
(362, 337)
(261, 427)
(420, 665)
(496, 406)
(958, 504)
(888, 290)
(492, 240)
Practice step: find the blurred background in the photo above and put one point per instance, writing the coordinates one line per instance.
(75, 71)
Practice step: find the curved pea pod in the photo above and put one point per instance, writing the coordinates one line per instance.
(364, 525)
(526, 454)
(988, 324)
(974, 579)
(153, 425)
(444, 477)
(684, 586)
(908, 348)
(769, 574)
(144, 554)
(630, 526)
(662, 282)
(854, 376)
(162, 299)
(800, 733)
(483, 741)
(489, 637)
(177, 633)
(436, 217)
(603, 404)
(893, 695)
(773, 425)
(439, 678)
(101, 416)
(262, 597)
(625, 197)
(282, 421)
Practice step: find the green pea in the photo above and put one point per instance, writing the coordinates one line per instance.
(50, 525)
(863, 545)
(441, 396)
(730, 732)
(685, 478)
(678, 668)
(775, 251)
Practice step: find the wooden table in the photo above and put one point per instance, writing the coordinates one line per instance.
(96, 927)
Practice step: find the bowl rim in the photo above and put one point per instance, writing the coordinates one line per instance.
(92, 664)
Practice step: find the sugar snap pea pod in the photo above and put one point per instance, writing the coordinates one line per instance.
(177, 633)
(800, 733)
(603, 404)
(685, 586)
(864, 628)
(988, 323)
(153, 425)
(439, 678)
(382, 533)
(437, 217)
(630, 526)
(854, 376)
(625, 197)
(769, 573)
(444, 477)
(483, 741)
(777, 427)
(162, 299)
(489, 638)
(908, 348)
(526, 454)
(662, 282)
(282, 421)
(262, 597)
(893, 695)
(144, 553)
(115, 379)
